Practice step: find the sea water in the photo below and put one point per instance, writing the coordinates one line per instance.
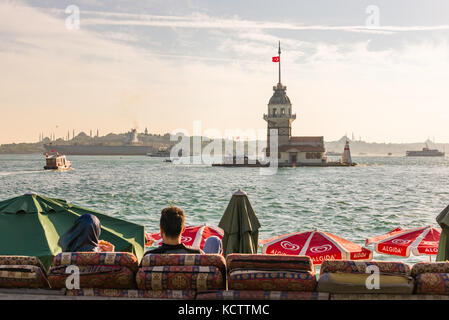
(379, 195)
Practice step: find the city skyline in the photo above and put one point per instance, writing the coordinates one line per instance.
(156, 65)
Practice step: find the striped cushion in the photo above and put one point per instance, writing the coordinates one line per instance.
(432, 283)
(430, 267)
(268, 261)
(278, 280)
(350, 266)
(124, 259)
(21, 260)
(180, 278)
(99, 276)
(22, 276)
(340, 282)
(133, 294)
(261, 295)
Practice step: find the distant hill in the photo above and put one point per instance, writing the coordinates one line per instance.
(157, 140)
(367, 148)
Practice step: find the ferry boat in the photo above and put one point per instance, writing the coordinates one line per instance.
(57, 162)
(161, 152)
(425, 152)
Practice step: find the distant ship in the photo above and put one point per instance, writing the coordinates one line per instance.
(131, 146)
(333, 154)
(425, 152)
(161, 152)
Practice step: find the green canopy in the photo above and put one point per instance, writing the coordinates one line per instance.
(443, 246)
(31, 225)
(240, 225)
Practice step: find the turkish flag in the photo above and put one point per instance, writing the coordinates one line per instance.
(275, 59)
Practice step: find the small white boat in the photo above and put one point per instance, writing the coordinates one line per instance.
(57, 162)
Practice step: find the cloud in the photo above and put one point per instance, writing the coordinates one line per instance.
(200, 20)
(89, 79)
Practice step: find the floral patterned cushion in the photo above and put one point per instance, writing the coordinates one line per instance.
(268, 261)
(432, 283)
(180, 278)
(215, 260)
(22, 276)
(133, 294)
(261, 295)
(21, 260)
(124, 259)
(350, 266)
(278, 280)
(430, 267)
(94, 276)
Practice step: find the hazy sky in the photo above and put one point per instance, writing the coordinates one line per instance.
(163, 64)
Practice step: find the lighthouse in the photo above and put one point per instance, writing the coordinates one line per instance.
(291, 150)
(279, 116)
(346, 154)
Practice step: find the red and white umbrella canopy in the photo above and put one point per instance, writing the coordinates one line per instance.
(318, 245)
(193, 236)
(420, 241)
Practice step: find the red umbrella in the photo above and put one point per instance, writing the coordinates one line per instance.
(399, 242)
(193, 236)
(318, 245)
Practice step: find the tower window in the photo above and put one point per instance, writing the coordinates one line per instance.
(282, 111)
(274, 111)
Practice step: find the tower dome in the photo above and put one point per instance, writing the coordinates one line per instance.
(279, 95)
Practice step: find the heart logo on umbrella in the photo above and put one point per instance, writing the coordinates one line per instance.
(430, 243)
(320, 249)
(401, 241)
(186, 239)
(290, 246)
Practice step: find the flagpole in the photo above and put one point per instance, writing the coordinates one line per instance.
(279, 52)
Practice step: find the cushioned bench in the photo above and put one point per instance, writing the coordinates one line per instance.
(267, 277)
(431, 277)
(133, 294)
(268, 272)
(106, 270)
(261, 295)
(22, 272)
(346, 276)
(185, 272)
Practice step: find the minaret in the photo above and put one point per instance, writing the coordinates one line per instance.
(280, 115)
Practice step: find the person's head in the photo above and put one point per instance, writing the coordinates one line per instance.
(172, 225)
(83, 235)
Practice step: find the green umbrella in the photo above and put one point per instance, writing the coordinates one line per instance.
(443, 246)
(31, 225)
(240, 225)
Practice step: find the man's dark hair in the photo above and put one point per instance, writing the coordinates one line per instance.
(172, 221)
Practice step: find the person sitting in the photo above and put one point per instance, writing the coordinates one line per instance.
(84, 236)
(172, 226)
(213, 244)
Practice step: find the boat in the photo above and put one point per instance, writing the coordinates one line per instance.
(425, 152)
(57, 162)
(161, 152)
